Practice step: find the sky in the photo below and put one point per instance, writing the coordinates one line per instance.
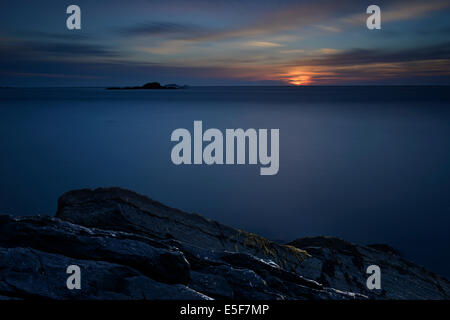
(203, 42)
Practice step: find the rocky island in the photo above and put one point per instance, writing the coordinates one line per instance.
(149, 86)
(131, 247)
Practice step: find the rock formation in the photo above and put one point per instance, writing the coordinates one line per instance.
(131, 247)
(149, 86)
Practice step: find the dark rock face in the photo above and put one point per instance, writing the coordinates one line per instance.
(123, 210)
(131, 247)
(341, 264)
(29, 273)
(153, 259)
(385, 248)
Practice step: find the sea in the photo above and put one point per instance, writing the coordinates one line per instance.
(366, 164)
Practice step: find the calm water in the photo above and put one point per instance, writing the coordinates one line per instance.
(365, 164)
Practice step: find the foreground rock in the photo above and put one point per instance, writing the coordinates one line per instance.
(29, 273)
(123, 210)
(131, 247)
(153, 259)
(341, 264)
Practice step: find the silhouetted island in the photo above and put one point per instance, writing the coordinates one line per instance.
(149, 86)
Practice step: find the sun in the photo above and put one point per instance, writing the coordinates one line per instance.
(297, 76)
(300, 80)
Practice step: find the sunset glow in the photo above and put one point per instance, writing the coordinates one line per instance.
(299, 76)
(300, 80)
(278, 43)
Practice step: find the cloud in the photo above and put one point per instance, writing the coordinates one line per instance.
(55, 36)
(262, 20)
(293, 51)
(34, 50)
(255, 40)
(72, 49)
(369, 65)
(413, 10)
(370, 56)
(49, 75)
(328, 28)
(166, 48)
(328, 51)
(262, 44)
(163, 29)
(399, 11)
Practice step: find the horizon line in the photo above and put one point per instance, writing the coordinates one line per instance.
(251, 85)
